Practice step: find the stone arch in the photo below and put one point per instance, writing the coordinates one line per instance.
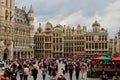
(22, 54)
(14, 55)
(25, 55)
(6, 54)
(18, 55)
(29, 54)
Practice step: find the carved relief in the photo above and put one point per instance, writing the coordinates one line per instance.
(7, 42)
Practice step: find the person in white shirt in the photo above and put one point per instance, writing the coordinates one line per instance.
(26, 72)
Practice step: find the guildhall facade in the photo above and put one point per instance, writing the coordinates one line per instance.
(16, 31)
(65, 41)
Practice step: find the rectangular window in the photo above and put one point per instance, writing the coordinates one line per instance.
(57, 40)
(86, 45)
(86, 38)
(92, 38)
(60, 40)
(100, 38)
(99, 45)
(96, 45)
(105, 37)
(53, 40)
(89, 38)
(102, 45)
(53, 48)
(92, 45)
(105, 45)
(89, 45)
(60, 47)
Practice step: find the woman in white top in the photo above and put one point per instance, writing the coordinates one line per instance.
(26, 72)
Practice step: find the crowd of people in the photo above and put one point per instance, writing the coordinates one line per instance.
(109, 68)
(23, 68)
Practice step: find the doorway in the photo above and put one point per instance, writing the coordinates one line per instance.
(5, 56)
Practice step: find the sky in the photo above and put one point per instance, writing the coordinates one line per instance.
(74, 12)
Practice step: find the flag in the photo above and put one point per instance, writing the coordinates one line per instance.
(11, 17)
(6, 17)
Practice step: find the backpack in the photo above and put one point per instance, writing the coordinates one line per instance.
(71, 67)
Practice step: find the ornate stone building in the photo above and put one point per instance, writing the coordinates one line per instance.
(96, 41)
(116, 45)
(16, 31)
(43, 41)
(68, 37)
(79, 40)
(57, 44)
(111, 47)
(66, 41)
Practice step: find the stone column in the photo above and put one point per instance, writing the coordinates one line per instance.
(22, 54)
(27, 54)
(31, 54)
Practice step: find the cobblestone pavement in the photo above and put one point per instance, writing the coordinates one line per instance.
(39, 77)
(59, 72)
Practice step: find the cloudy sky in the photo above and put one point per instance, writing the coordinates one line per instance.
(74, 12)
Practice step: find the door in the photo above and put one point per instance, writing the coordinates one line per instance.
(5, 56)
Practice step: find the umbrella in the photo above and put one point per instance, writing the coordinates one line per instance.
(102, 58)
(116, 59)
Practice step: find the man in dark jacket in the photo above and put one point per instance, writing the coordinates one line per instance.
(34, 72)
(70, 69)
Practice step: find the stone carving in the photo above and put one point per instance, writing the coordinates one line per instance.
(7, 42)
